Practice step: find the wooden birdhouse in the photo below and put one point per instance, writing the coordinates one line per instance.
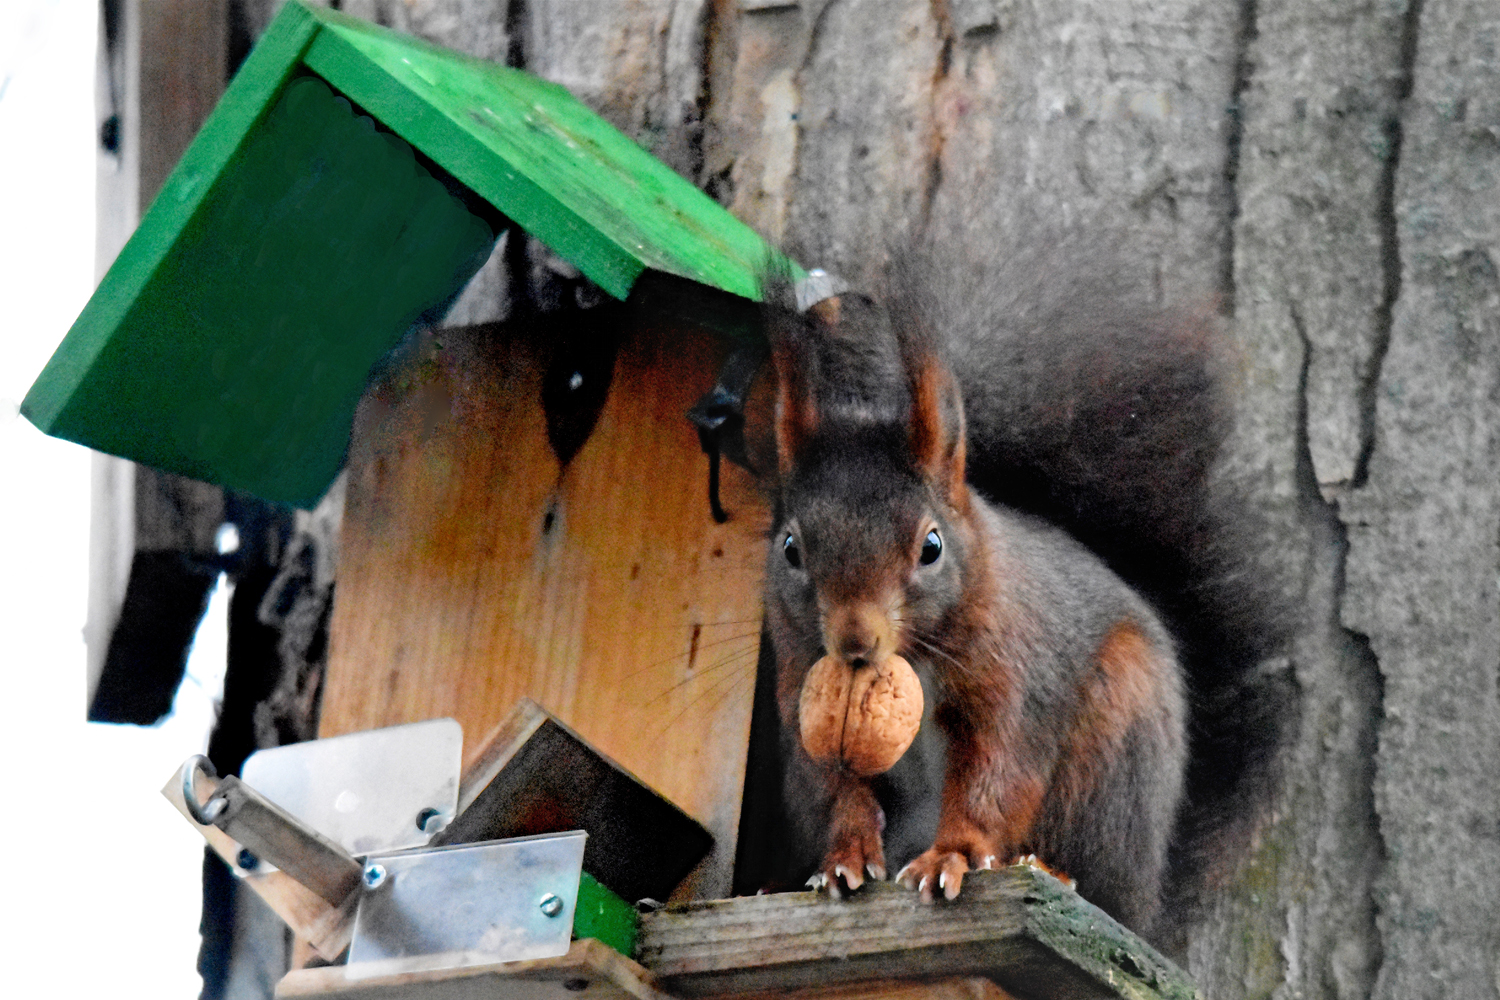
(527, 510)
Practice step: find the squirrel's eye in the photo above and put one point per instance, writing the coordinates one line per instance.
(792, 553)
(932, 547)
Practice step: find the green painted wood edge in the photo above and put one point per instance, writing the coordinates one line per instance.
(249, 97)
(470, 162)
(654, 219)
(1095, 943)
(603, 915)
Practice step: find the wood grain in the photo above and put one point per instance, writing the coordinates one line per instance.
(476, 571)
(1017, 926)
(589, 970)
(970, 988)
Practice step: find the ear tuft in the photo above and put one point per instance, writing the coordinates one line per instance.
(935, 421)
(795, 362)
(935, 428)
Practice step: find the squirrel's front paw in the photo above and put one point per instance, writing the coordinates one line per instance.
(940, 869)
(849, 862)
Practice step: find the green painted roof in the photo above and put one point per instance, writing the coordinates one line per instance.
(297, 240)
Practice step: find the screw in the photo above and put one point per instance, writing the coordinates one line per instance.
(375, 876)
(577, 985)
(247, 861)
(551, 905)
(429, 820)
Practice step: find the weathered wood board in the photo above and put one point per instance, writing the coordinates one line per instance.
(475, 569)
(1017, 926)
(589, 970)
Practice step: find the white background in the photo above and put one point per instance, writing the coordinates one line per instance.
(99, 877)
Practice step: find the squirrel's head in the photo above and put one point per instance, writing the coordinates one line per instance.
(872, 510)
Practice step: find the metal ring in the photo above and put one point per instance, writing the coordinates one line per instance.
(205, 814)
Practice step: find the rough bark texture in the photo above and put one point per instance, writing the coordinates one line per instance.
(1424, 529)
(1326, 173)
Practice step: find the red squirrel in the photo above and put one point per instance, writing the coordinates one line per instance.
(1011, 486)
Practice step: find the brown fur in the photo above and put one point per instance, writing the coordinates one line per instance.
(1041, 662)
(1126, 688)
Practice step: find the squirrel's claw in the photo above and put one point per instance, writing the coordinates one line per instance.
(854, 853)
(936, 871)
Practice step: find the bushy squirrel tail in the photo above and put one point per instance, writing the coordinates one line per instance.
(1106, 414)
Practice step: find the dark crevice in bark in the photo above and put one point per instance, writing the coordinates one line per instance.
(815, 38)
(697, 139)
(1390, 241)
(517, 25)
(933, 179)
(1245, 35)
(721, 29)
(1363, 683)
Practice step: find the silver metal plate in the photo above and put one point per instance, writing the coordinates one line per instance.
(367, 791)
(471, 904)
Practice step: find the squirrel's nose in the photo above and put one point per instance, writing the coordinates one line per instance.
(858, 634)
(857, 650)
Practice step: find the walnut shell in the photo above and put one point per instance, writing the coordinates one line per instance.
(865, 718)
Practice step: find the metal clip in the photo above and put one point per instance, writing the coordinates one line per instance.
(720, 416)
(817, 286)
(273, 835)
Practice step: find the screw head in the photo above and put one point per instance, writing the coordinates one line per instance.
(375, 876)
(551, 905)
(247, 862)
(430, 820)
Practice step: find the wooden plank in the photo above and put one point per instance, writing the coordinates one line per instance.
(970, 988)
(475, 570)
(535, 775)
(248, 98)
(1018, 926)
(586, 972)
(589, 970)
(542, 158)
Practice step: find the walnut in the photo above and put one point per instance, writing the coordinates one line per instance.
(865, 718)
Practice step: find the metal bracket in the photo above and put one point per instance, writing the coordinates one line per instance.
(469, 904)
(381, 790)
(273, 834)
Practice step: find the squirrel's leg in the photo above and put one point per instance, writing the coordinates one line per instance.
(855, 822)
(987, 815)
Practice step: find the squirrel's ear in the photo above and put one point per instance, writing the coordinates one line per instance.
(796, 406)
(792, 358)
(936, 426)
